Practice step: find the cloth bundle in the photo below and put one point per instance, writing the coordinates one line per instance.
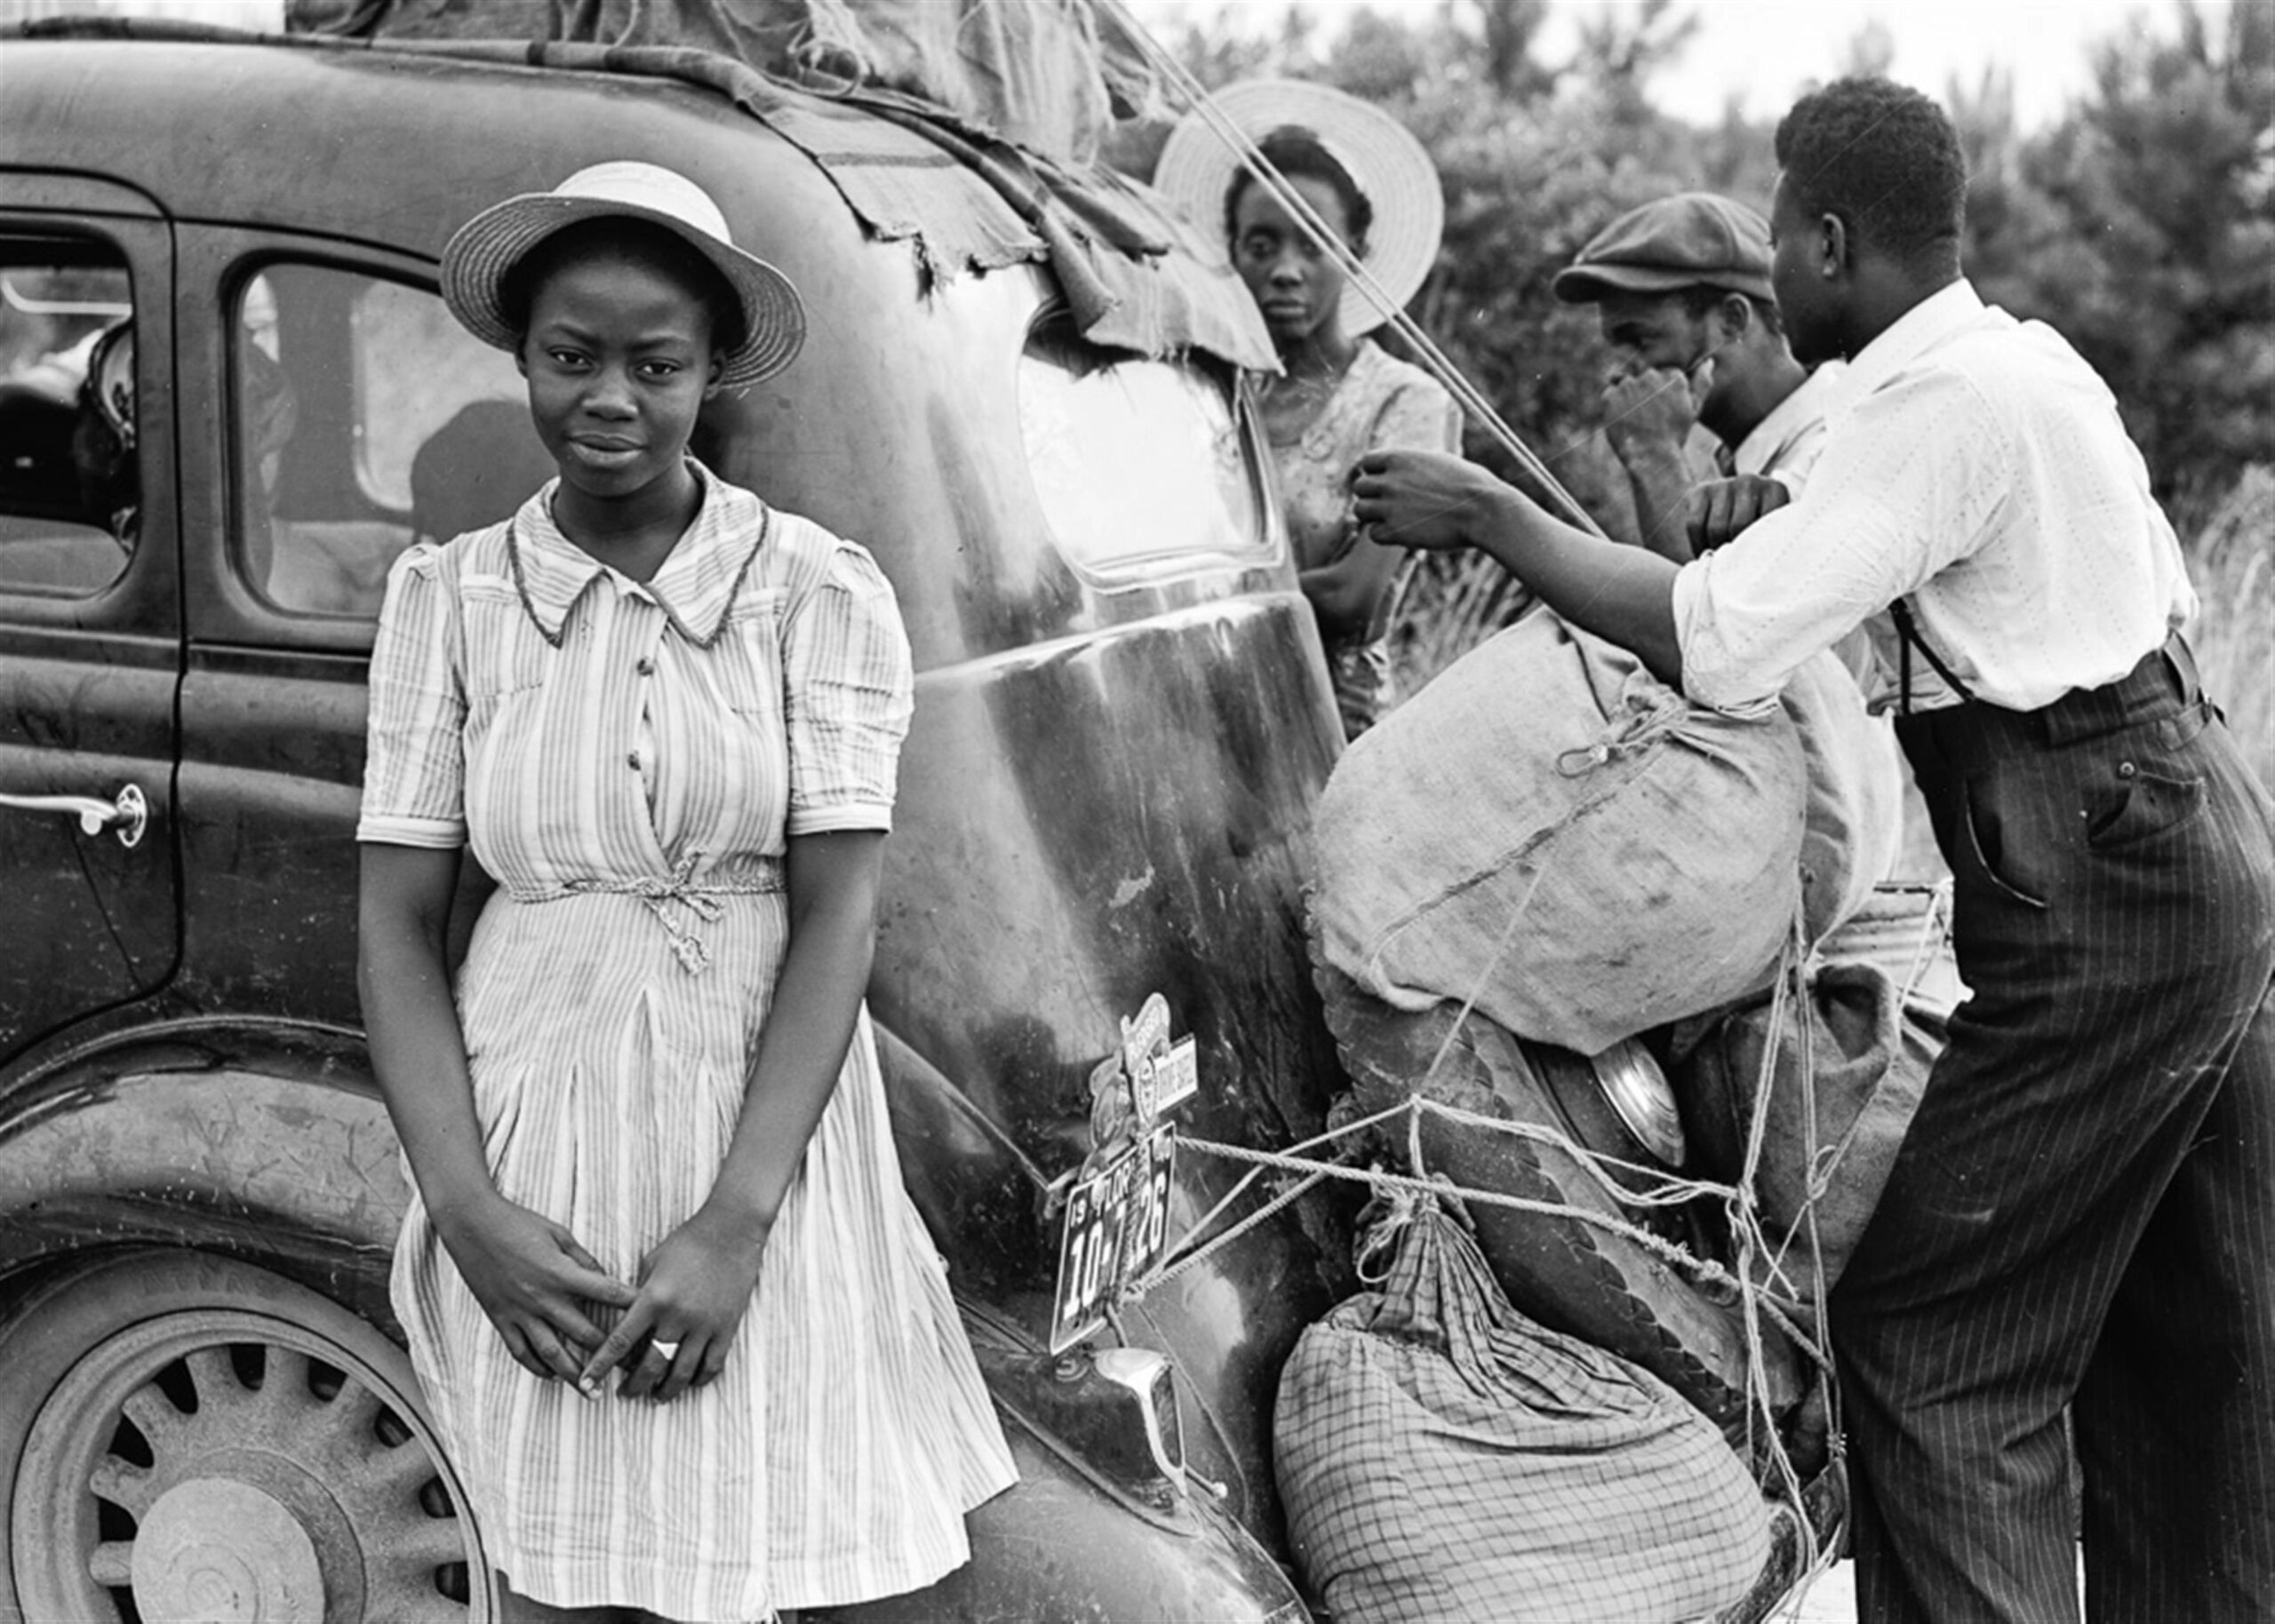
(1853, 827)
(1442, 1457)
(1847, 1065)
(1548, 828)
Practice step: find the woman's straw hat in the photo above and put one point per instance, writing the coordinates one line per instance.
(489, 244)
(1379, 154)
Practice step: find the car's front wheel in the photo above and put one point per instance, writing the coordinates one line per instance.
(188, 1436)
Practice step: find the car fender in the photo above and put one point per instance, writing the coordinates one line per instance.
(268, 1141)
(263, 1140)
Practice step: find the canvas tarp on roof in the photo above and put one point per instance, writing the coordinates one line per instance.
(1047, 74)
(959, 191)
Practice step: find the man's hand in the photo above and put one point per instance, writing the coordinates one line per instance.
(1429, 501)
(1650, 413)
(1721, 508)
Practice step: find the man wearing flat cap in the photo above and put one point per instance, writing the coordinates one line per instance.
(1681, 286)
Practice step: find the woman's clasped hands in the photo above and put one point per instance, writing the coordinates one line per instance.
(695, 1287)
(539, 1287)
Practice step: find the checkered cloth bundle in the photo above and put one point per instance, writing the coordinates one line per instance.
(1444, 1459)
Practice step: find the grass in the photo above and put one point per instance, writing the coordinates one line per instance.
(2231, 559)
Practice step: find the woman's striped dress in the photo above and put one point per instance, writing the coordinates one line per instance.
(627, 761)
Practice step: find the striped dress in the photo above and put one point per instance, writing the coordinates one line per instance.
(627, 761)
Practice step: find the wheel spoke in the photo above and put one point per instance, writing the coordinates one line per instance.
(347, 1432)
(122, 1484)
(216, 1378)
(154, 1413)
(112, 1563)
(285, 1377)
(398, 1474)
(402, 1586)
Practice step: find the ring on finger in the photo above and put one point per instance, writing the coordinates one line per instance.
(670, 1351)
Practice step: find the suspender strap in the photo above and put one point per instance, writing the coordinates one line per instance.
(1908, 635)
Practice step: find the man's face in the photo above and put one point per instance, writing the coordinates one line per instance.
(1647, 330)
(1807, 302)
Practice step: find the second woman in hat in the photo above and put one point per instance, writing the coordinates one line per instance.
(1338, 395)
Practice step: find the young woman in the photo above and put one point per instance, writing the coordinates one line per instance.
(689, 1343)
(1338, 395)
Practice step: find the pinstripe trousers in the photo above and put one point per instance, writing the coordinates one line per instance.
(2083, 1214)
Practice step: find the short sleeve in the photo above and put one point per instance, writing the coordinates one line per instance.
(414, 766)
(849, 691)
(1417, 416)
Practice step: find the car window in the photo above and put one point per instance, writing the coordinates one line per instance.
(364, 418)
(1140, 465)
(70, 476)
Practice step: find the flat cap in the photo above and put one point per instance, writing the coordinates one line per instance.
(1692, 239)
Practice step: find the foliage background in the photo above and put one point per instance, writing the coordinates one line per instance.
(2141, 226)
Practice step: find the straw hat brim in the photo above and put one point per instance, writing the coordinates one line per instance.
(488, 246)
(1381, 155)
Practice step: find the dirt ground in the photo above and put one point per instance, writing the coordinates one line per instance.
(1833, 1599)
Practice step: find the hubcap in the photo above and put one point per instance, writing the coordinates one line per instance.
(216, 1548)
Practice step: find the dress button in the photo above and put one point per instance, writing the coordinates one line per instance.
(2125, 770)
(647, 667)
(633, 761)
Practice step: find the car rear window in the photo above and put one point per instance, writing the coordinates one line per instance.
(364, 418)
(1141, 465)
(70, 477)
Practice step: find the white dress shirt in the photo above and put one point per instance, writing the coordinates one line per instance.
(1978, 465)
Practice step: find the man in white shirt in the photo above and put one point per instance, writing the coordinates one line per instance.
(2083, 1215)
(1681, 290)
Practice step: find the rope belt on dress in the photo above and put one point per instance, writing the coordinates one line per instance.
(660, 893)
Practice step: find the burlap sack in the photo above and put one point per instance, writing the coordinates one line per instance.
(1853, 829)
(1869, 1055)
(1550, 829)
(1442, 1457)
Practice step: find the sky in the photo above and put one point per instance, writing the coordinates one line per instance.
(1765, 52)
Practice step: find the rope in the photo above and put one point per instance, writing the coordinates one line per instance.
(1669, 1189)
(1200, 103)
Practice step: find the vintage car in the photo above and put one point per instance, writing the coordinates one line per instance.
(229, 396)
(1122, 719)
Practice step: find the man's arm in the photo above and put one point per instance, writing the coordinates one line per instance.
(1433, 502)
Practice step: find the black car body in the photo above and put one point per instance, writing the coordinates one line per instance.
(1122, 722)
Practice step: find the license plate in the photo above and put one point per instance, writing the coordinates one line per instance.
(1115, 1227)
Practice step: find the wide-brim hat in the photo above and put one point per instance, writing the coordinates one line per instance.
(1381, 156)
(488, 246)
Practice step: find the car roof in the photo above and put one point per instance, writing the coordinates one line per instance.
(390, 145)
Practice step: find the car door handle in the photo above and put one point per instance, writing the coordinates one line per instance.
(129, 815)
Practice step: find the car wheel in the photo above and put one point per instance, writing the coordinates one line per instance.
(183, 1436)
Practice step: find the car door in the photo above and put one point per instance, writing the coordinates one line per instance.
(90, 603)
(346, 415)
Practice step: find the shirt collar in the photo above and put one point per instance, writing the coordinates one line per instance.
(694, 588)
(1947, 311)
(1759, 452)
